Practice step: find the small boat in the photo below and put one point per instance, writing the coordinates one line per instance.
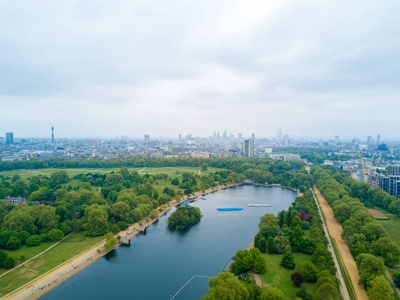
(230, 209)
(259, 205)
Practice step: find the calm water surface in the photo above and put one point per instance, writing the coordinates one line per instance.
(158, 264)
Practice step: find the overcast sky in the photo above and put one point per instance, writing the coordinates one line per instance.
(112, 68)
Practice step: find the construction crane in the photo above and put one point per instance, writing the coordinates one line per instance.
(362, 163)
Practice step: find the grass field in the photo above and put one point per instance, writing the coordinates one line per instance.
(277, 276)
(67, 249)
(378, 214)
(171, 171)
(392, 226)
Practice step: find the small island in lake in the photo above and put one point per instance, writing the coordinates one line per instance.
(184, 217)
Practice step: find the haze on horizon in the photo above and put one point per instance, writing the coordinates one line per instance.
(107, 68)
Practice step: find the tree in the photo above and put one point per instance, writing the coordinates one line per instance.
(309, 272)
(260, 265)
(305, 225)
(268, 219)
(396, 279)
(96, 220)
(260, 243)
(387, 249)
(111, 241)
(121, 211)
(287, 260)
(226, 287)
(271, 245)
(308, 246)
(115, 229)
(204, 167)
(184, 217)
(33, 240)
(274, 294)
(9, 263)
(380, 289)
(327, 291)
(297, 279)
(295, 221)
(369, 267)
(269, 231)
(175, 181)
(282, 244)
(55, 235)
(296, 238)
(3, 256)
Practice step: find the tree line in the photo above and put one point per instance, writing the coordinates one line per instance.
(368, 241)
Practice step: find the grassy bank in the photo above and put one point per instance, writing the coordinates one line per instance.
(67, 249)
(277, 276)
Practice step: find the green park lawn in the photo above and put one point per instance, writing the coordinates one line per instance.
(279, 277)
(171, 171)
(392, 226)
(67, 249)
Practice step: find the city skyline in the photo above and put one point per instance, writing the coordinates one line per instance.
(318, 69)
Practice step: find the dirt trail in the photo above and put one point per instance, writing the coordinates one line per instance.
(335, 230)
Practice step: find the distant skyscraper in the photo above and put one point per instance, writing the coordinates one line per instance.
(378, 140)
(52, 134)
(146, 138)
(9, 138)
(249, 148)
(280, 134)
(180, 136)
(239, 136)
(253, 136)
(224, 135)
(369, 140)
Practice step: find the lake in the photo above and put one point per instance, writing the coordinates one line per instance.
(159, 263)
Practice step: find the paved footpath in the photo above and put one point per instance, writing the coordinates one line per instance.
(335, 229)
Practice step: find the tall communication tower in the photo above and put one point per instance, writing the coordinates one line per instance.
(52, 134)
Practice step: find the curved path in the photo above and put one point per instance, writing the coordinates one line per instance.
(335, 229)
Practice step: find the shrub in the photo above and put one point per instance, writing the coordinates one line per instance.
(396, 279)
(9, 263)
(33, 240)
(43, 237)
(13, 243)
(123, 225)
(115, 229)
(55, 235)
(309, 272)
(297, 279)
(305, 225)
(23, 236)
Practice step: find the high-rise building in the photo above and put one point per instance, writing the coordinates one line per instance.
(249, 148)
(378, 140)
(239, 136)
(9, 138)
(52, 134)
(253, 136)
(146, 138)
(369, 140)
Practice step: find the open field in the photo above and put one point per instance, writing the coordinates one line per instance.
(67, 249)
(171, 171)
(378, 214)
(392, 226)
(277, 276)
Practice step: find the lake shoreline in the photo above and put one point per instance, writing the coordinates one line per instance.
(54, 277)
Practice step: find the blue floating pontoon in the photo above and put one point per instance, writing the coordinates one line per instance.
(185, 203)
(229, 209)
